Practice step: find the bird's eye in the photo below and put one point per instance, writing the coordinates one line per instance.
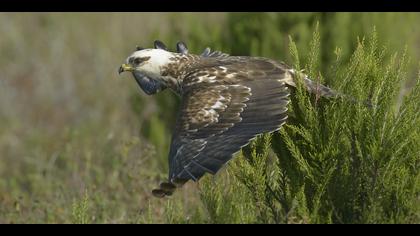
(137, 61)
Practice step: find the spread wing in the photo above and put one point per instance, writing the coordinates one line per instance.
(222, 109)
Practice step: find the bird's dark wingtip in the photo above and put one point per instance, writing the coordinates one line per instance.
(159, 45)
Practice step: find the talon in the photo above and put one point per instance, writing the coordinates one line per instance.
(159, 193)
(168, 187)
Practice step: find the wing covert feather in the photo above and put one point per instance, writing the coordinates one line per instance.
(220, 116)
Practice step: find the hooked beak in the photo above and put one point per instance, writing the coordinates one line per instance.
(125, 67)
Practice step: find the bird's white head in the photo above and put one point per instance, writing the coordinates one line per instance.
(148, 62)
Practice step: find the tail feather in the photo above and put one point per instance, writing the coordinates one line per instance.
(322, 90)
(319, 89)
(312, 86)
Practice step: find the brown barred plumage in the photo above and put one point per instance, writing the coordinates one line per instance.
(226, 102)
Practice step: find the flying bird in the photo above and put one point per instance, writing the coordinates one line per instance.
(226, 101)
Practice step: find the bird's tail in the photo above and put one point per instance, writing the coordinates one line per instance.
(312, 86)
(322, 90)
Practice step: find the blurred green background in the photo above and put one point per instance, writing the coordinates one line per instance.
(70, 127)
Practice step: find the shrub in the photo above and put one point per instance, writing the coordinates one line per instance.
(335, 161)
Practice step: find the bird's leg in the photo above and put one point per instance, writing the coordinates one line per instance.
(165, 189)
(168, 188)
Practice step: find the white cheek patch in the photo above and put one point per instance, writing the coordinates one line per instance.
(150, 68)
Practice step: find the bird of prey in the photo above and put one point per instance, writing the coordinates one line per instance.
(226, 101)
